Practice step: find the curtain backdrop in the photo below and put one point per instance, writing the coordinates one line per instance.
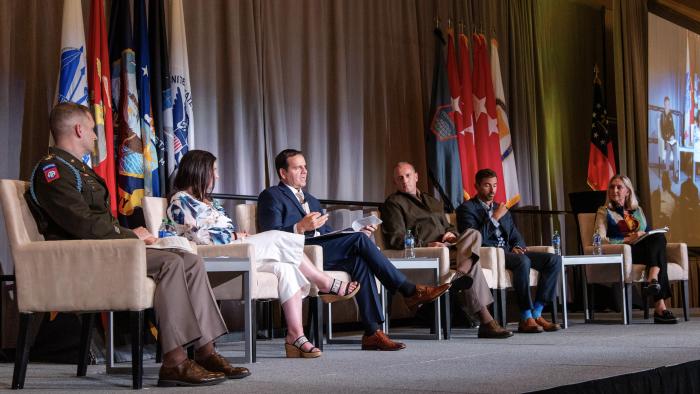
(348, 82)
(631, 69)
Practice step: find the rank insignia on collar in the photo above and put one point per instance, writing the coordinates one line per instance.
(51, 172)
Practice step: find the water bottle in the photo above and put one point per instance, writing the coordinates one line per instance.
(597, 244)
(409, 244)
(556, 243)
(166, 229)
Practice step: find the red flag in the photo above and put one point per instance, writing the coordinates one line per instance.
(488, 152)
(601, 159)
(100, 101)
(465, 135)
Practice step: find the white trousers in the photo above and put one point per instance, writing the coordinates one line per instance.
(280, 253)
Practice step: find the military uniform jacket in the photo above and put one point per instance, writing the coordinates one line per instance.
(424, 215)
(70, 201)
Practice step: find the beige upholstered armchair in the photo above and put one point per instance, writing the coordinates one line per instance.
(246, 220)
(505, 280)
(489, 260)
(73, 276)
(677, 254)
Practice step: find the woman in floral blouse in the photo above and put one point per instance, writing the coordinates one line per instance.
(622, 220)
(203, 221)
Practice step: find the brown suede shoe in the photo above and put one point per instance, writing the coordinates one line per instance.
(493, 330)
(529, 326)
(188, 373)
(546, 325)
(380, 341)
(425, 294)
(218, 363)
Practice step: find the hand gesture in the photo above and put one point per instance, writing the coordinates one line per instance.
(519, 250)
(145, 235)
(311, 222)
(500, 211)
(449, 237)
(369, 229)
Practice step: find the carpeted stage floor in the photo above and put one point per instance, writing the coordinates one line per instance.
(464, 364)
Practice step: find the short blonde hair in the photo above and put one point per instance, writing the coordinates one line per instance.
(631, 201)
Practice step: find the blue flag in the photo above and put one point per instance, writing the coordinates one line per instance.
(151, 180)
(161, 102)
(442, 151)
(126, 115)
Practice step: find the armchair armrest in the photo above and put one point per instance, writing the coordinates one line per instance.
(315, 254)
(494, 259)
(623, 249)
(678, 253)
(82, 275)
(540, 249)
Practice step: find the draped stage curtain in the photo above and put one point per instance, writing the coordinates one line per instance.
(348, 82)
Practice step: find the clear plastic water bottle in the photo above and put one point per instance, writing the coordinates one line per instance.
(597, 244)
(556, 243)
(166, 229)
(409, 243)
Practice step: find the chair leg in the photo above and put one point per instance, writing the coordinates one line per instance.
(254, 330)
(85, 339)
(686, 298)
(628, 307)
(22, 352)
(591, 304)
(159, 351)
(502, 307)
(447, 315)
(136, 321)
(645, 300)
(494, 305)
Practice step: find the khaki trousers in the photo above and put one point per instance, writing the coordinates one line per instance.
(186, 311)
(466, 255)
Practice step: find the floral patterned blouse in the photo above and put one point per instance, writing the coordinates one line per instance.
(614, 224)
(201, 223)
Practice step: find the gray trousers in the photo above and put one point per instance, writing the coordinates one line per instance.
(465, 254)
(186, 311)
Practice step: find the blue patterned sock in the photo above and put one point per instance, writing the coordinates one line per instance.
(526, 314)
(537, 310)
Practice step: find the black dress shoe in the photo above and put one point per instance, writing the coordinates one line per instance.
(666, 317)
(653, 288)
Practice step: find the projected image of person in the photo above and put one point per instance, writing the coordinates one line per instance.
(668, 133)
(621, 220)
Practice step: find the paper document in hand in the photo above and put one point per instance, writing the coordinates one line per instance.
(180, 243)
(359, 224)
(650, 232)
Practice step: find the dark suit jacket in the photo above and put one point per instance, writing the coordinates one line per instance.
(471, 214)
(279, 209)
(424, 215)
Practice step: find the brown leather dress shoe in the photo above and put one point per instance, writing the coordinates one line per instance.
(547, 325)
(493, 330)
(425, 294)
(188, 373)
(529, 326)
(380, 341)
(218, 363)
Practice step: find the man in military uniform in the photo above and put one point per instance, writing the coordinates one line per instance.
(70, 201)
(409, 208)
(668, 134)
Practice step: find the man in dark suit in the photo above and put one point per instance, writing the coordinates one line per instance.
(287, 207)
(498, 230)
